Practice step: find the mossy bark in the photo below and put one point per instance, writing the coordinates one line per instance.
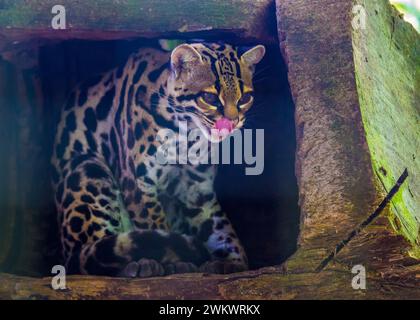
(332, 164)
(337, 181)
(387, 65)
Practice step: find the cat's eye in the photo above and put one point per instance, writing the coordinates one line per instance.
(245, 99)
(210, 98)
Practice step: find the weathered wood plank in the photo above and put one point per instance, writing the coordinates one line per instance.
(108, 19)
(267, 284)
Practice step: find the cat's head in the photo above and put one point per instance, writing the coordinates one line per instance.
(211, 85)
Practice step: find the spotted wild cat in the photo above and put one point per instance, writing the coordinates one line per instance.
(121, 212)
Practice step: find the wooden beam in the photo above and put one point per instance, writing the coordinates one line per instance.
(248, 20)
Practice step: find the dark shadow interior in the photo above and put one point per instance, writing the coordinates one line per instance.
(264, 209)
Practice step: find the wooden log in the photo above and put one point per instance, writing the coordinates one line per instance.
(338, 187)
(270, 283)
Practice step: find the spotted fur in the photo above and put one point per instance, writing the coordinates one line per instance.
(122, 213)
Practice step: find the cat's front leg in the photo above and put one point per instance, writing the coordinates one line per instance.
(183, 253)
(220, 238)
(210, 225)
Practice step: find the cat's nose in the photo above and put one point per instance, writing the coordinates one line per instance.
(231, 112)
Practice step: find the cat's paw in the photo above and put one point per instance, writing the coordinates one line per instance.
(180, 267)
(144, 268)
(222, 267)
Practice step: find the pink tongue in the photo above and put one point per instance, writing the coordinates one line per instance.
(224, 124)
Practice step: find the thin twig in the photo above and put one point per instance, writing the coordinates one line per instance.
(365, 223)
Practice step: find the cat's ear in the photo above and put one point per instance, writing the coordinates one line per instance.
(183, 60)
(253, 56)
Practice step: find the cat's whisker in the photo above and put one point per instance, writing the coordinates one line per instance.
(259, 80)
(261, 70)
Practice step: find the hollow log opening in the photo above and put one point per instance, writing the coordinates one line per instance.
(263, 208)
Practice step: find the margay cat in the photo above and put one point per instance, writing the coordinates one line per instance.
(110, 191)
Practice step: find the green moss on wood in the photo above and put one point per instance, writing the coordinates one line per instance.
(387, 63)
